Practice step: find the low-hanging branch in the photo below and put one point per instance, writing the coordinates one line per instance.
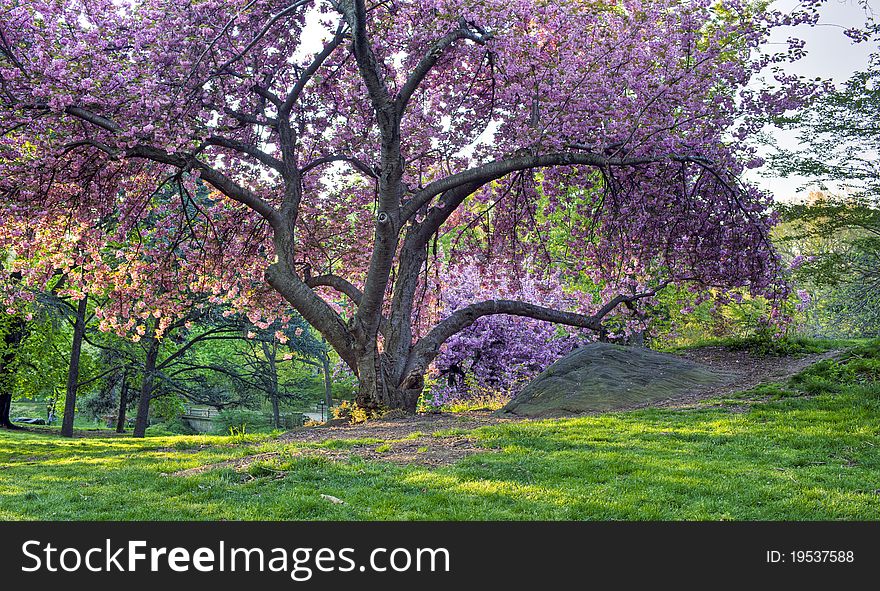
(428, 347)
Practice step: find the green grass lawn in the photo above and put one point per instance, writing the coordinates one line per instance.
(807, 449)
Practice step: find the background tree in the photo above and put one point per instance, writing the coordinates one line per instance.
(834, 246)
(255, 360)
(78, 315)
(839, 139)
(833, 238)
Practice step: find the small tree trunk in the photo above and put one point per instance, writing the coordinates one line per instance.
(12, 340)
(328, 384)
(143, 412)
(276, 411)
(269, 353)
(5, 407)
(79, 328)
(123, 404)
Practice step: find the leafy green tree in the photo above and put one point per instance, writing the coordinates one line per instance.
(839, 139)
(260, 362)
(834, 246)
(834, 238)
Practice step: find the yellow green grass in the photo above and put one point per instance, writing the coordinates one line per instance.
(807, 449)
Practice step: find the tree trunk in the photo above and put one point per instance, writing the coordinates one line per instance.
(5, 406)
(143, 412)
(79, 327)
(378, 391)
(273, 384)
(328, 384)
(276, 411)
(12, 341)
(123, 404)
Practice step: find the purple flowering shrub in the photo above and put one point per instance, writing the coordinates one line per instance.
(499, 354)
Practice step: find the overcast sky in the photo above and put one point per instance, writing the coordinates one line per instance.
(830, 54)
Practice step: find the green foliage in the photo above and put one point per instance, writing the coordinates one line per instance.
(835, 242)
(172, 426)
(679, 321)
(838, 236)
(764, 343)
(42, 361)
(167, 408)
(240, 421)
(484, 402)
(860, 366)
(839, 138)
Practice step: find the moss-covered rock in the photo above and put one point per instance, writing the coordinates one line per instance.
(602, 377)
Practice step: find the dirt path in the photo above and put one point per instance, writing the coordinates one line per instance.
(444, 438)
(747, 371)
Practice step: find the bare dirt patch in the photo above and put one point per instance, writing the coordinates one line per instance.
(424, 424)
(426, 439)
(423, 451)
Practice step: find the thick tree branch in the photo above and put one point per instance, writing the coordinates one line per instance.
(355, 13)
(436, 216)
(497, 169)
(250, 119)
(429, 346)
(219, 180)
(475, 178)
(346, 288)
(184, 162)
(93, 118)
(314, 310)
(340, 284)
(267, 94)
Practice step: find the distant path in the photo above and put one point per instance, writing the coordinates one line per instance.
(748, 371)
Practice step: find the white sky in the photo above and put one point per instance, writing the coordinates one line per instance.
(830, 54)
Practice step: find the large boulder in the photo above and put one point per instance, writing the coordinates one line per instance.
(602, 377)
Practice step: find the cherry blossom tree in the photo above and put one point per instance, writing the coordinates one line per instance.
(344, 139)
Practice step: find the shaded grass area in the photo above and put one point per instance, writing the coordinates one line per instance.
(805, 449)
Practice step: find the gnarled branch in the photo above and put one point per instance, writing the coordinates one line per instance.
(355, 13)
(429, 346)
(339, 284)
(244, 148)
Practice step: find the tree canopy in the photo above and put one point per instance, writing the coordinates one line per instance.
(343, 139)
